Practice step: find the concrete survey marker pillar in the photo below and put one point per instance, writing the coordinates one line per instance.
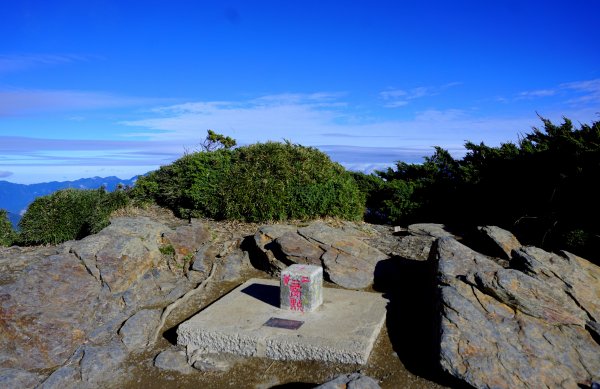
(301, 288)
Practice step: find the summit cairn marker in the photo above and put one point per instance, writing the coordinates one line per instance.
(291, 318)
(301, 288)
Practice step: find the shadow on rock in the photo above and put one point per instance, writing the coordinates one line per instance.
(171, 335)
(258, 259)
(411, 316)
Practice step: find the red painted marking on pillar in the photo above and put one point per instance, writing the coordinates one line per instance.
(296, 296)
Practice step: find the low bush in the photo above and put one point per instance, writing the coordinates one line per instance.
(543, 188)
(190, 186)
(261, 182)
(68, 214)
(280, 181)
(7, 234)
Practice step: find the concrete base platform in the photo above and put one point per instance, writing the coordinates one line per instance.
(248, 322)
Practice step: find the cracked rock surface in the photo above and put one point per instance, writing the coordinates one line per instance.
(61, 307)
(347, 259)
(524, 326)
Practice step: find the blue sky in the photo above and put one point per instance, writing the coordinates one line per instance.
(99, 88)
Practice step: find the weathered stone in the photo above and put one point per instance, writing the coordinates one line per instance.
(347, 260)
(220, 362)
(173, 359)
(187, 239)
(339, 239)
(122, 252)
(348, 271)
(503, 239)
(50, 307)
(13, 260)
(123, 261)
(67, 377)
(530, 296)
(233, 264)
(415, 248)
(84, 294)
(102, 363)
(299, 250)
(17, 378)
(429, 229)
(137, 330)
(301, 288)
(156, 287)
(87, 249)
(351, 381)
(200, 259)
(263, 239)
(578, 278)
(503, 328)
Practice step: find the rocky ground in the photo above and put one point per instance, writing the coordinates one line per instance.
(102, 311)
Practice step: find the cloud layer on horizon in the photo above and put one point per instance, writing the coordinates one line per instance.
(360, 139)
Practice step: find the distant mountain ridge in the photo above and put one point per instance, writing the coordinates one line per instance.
(15, 198)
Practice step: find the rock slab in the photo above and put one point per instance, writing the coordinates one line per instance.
(346, 258)
(517, 327)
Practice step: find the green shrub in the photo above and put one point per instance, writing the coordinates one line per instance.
(68, 214)
(261, 182)
(190, 186)
(7, 234)
(279, 181)
(576, 241)
(167, 250)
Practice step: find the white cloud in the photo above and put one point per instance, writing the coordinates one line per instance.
(400, 97)
(27, 101)
(577, 92)
(588, 91)
(301, 121)
(537, 93)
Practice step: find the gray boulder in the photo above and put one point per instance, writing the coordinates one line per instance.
(503, 239)
(506, 328)
(429, 229)
(67, 377)
(346, 270)
(173, 359)
(220, 362)
(54, 300)
(51, 307)
(572, 275)
(233, 264)
(346, 258)
(122, 252)
(17, 378)
(102, 363)
(298, 249)
(188, 238)
(200, 259)
(137, 330)
(263, 239)
(413, 247)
